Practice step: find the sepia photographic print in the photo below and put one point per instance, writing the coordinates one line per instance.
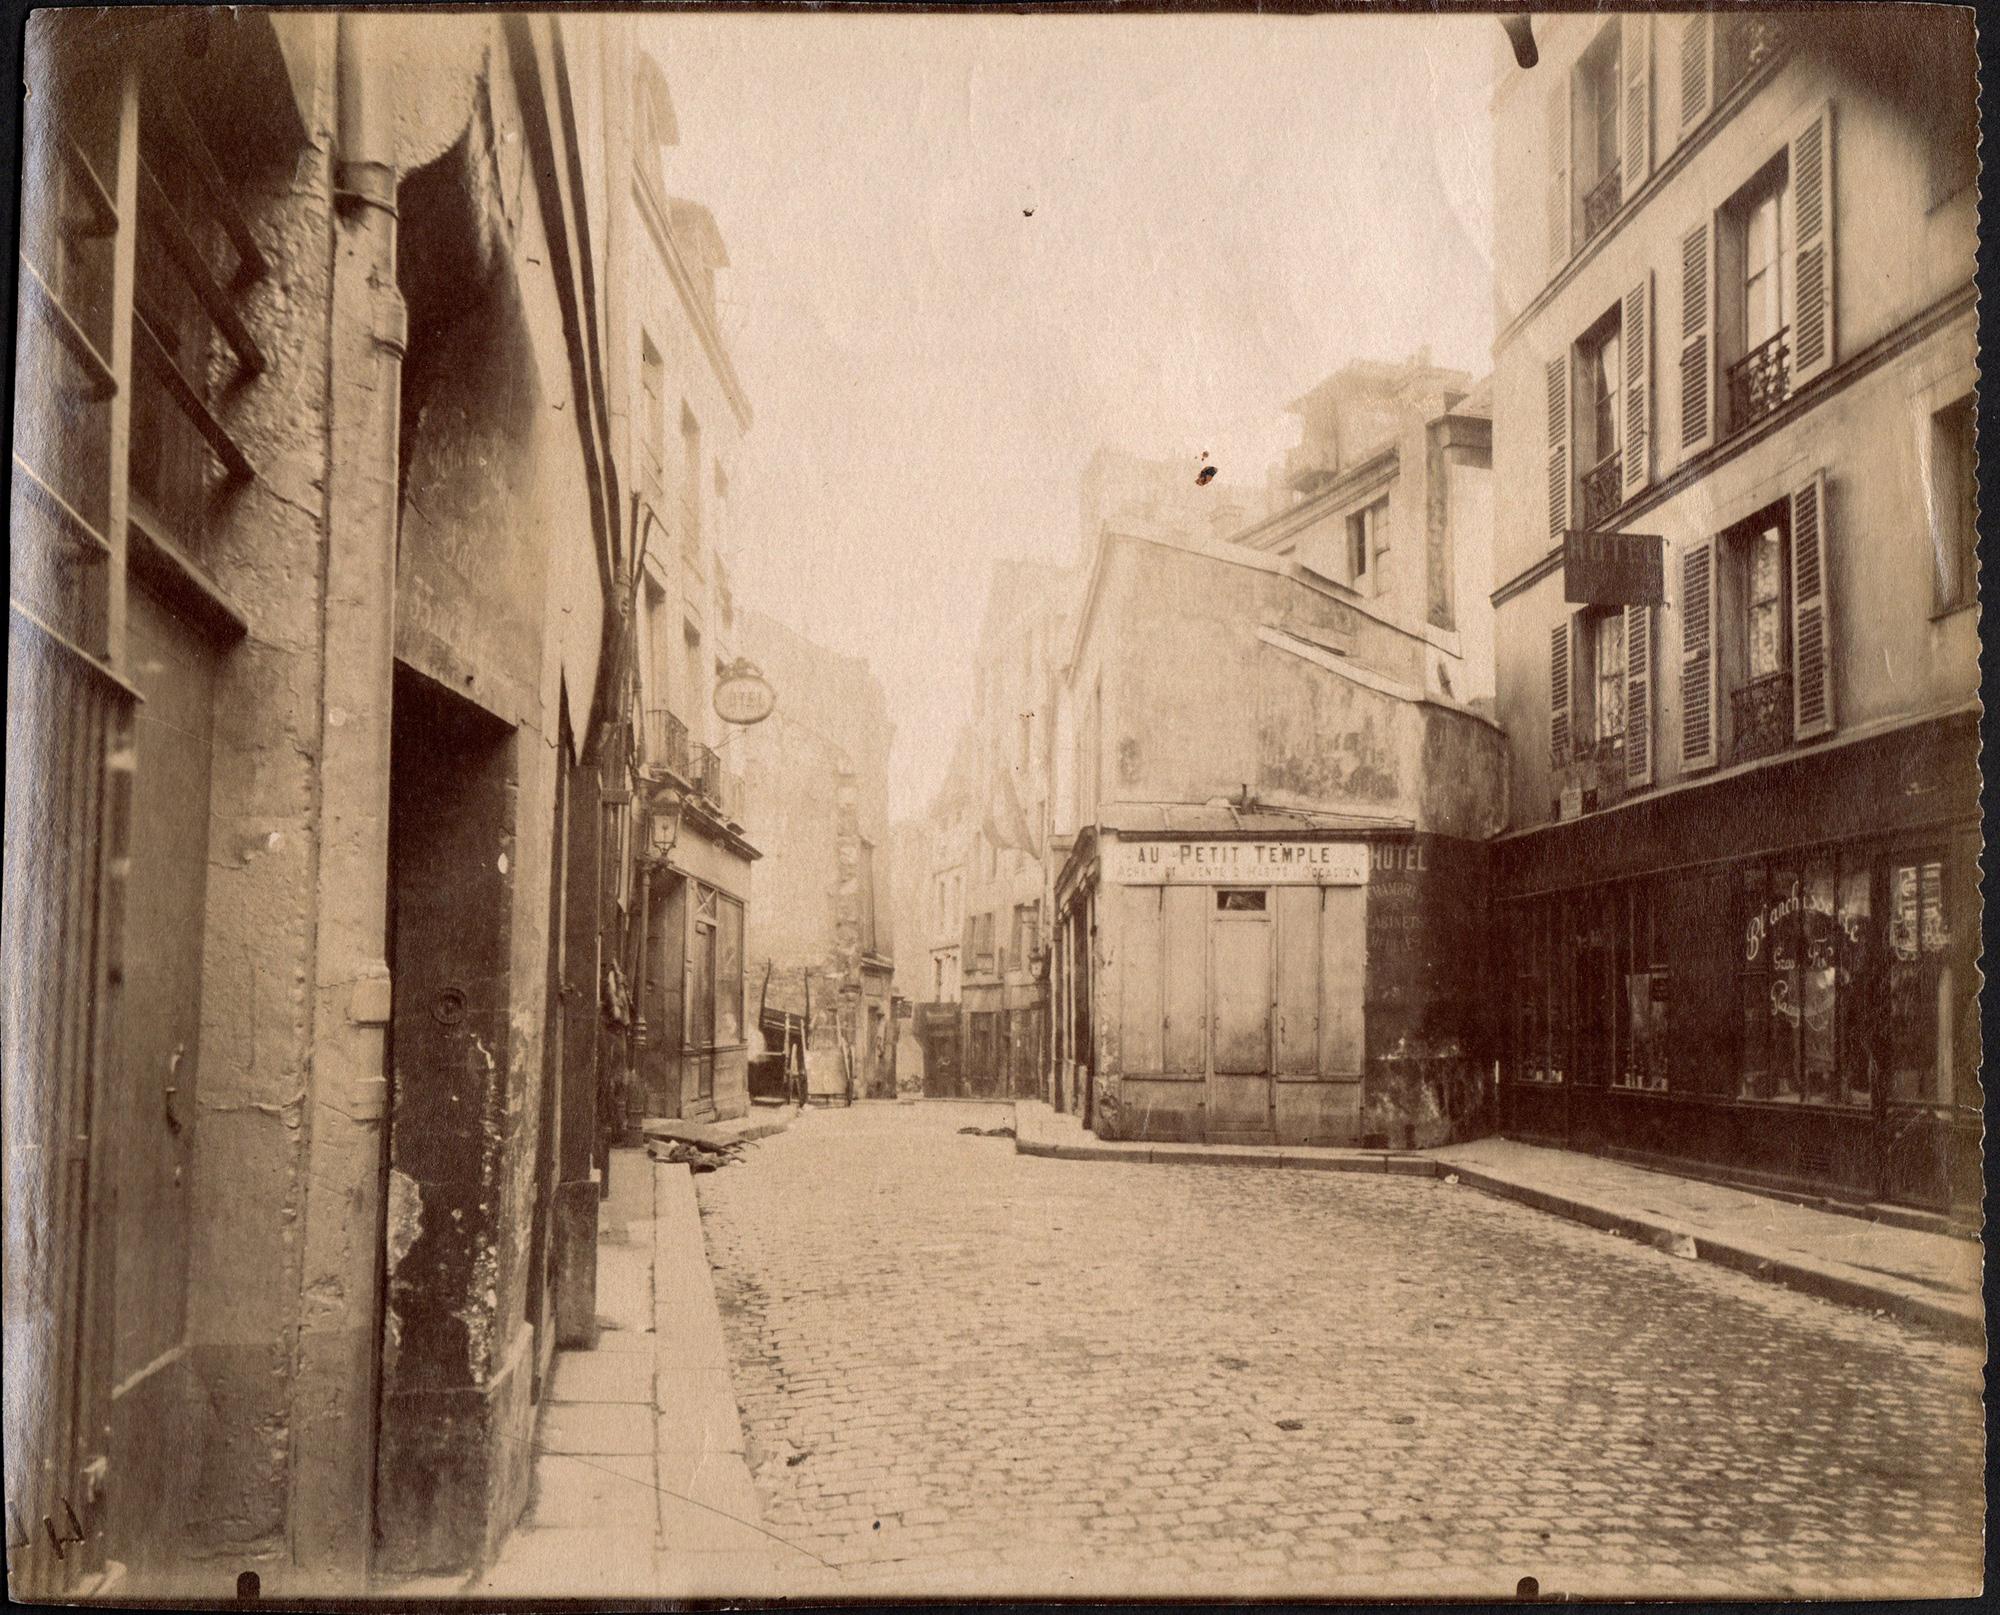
(841, 803)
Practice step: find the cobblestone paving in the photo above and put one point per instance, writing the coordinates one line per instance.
(965, 1369)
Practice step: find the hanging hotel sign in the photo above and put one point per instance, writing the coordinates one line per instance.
(1237, 863)
(1614, 569)
(743, 695)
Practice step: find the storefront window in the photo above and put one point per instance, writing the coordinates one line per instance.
(1921, 987)
(1856, 1014)
(1535, 1059)
(1642, 1021)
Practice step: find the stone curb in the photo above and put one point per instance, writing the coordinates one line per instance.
(1964, 1323)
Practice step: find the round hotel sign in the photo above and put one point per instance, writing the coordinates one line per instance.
(743, 695)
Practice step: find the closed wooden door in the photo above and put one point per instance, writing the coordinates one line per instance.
(1298, 964)
(1184, 984)
(1240, 989)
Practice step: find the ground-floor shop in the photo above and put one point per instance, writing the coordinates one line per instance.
(1770, 975)
(991, 1044)
(693, 1026)
(1272, 986)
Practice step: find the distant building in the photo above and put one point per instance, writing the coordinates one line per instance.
(1740, 879)
(989, 826)
(820, 942)
(1392, 500)
(1270, 917)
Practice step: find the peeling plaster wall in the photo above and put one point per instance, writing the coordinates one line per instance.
(231, 1474)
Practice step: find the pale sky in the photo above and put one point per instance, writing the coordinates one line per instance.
(1226, 209)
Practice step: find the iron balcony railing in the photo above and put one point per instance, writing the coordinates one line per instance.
(1762, 714)
(667, 743)
(1747, 42)
(1599, 489)
(1600, 202)
(1761, 380)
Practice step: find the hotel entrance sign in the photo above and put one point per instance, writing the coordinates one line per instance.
(1614, 569)
(1237, 863)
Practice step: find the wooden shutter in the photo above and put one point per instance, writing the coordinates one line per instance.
(1556, 126)
(1638, 695)
(1559, 692)
(1697, 356)
(1812, 626)
(1635, 64)
(1698, 655)
(1558, 390)
(1811, 268)
(1636, 339)
(1697, 38)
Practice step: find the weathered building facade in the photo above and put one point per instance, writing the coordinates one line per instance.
(1269, 920)
(323, 564)
(986, 1033)
(820, 944)
(686, 878)
(1736, 300)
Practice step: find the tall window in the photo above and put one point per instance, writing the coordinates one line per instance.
(1364, 544)
(1595, 113)
(653, 428)
(690, 487)
(1756, 340)
(1764, 602)
(1605, 639)
(865, 876)
(1598, 361)
(1954, 506)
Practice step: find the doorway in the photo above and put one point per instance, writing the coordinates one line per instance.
(1240, 983)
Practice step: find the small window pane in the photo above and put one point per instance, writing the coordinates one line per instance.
(1240, 902)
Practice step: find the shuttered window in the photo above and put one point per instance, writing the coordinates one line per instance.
(1696, 358)
(1556, 137)
(1811, 278)
(1635, 54)
(1695, 86)
(1698, 655)
(1638, 673)
(1559, 693)
(1812, 639)
(1636, 338)
(1557, 377)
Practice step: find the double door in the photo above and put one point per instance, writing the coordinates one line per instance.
(1247, 989)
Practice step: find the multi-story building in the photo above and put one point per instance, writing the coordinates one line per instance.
(317, 541)
(1735, 308)
(821, 943)
(1390, 496)
(686, 880)
(990, 841)
(1272, 792)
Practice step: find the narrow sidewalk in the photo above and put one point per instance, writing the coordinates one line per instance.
(641, 1487)
(1925, 1278)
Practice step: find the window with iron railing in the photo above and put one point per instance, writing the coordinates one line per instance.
(1600, 491)
(1743, 43)
(666, 742)
(1600, 202)
(1760, 381)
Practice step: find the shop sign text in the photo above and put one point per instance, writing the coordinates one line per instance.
(1248, 863)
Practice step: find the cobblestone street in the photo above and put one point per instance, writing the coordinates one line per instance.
(962, 1368)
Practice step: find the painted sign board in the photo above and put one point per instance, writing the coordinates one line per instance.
(1614, 569)
(743, 695)
(1237, 863)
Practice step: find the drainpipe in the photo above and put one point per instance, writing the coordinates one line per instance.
(342, 1234)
